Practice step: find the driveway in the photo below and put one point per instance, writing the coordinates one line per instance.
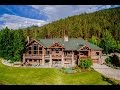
(107, 71)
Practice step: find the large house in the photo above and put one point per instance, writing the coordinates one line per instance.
(60, 52)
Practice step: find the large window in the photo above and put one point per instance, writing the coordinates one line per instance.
(35, 48)
(29, 52)
(29, 49)
(40, 50)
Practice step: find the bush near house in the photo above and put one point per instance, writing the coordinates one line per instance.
(113, 61)
(108, 60)
(85, 63)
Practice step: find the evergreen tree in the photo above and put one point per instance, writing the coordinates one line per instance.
(18, 45)
(108, 42)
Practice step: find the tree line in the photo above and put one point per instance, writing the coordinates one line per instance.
(12, 44)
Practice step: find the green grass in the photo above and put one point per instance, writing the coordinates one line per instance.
(47, 76)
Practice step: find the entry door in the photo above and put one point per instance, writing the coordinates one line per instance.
(57, 62)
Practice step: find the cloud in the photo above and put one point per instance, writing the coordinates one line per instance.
(15, 22)
(55, 12)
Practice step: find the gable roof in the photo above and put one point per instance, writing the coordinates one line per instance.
(71, 44)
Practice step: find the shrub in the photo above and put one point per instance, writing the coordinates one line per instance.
(115, 60)
(85, 63)
(108, 60)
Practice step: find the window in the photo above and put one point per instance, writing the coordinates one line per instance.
(60, 49)
(69, 52)
(29, 48)
(52, 49)
(40, 48)
(65, 53)
(40, 52)
(35, 48)
(35, 52)
(48, 52)
(97, 53)
(57, 50)
(29, 52)
(46, 61)
(30, 60)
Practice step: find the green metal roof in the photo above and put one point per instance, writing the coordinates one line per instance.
(71, 44)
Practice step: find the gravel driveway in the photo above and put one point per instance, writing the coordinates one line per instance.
(107, 71)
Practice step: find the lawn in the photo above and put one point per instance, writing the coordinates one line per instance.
(47, 76)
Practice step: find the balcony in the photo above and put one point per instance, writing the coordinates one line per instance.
(47, 56)
(68, 56)
(31, 56)
(56, 56)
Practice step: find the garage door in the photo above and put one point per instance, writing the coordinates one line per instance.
(95, 61)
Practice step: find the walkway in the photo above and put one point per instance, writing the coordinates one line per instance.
(107, 71)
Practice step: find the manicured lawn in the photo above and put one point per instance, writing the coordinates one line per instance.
(47, 76)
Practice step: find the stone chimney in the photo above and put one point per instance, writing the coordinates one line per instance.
(66, 38)
(28, 39)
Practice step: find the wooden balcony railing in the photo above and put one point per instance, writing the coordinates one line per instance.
(69, 55)
(32, 56)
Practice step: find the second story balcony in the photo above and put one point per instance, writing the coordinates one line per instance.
(33, 56)
(68, 56)
(56, 56)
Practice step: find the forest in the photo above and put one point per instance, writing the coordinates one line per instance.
(101, 28)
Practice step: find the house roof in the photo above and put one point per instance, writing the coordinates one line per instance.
(71, 44)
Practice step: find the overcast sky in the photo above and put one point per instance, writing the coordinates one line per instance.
(20, 16)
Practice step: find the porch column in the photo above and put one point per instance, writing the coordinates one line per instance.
(50, 62)
(100, 60)
(73, 63)
(43, 59)
(62, 60)
(88, 53)
(78, 58)
(23, 58)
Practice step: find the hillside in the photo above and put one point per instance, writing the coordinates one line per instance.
(83, 25)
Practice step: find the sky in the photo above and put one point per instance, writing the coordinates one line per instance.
(21, 16)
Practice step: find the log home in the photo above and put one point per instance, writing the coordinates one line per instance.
(59, 52)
